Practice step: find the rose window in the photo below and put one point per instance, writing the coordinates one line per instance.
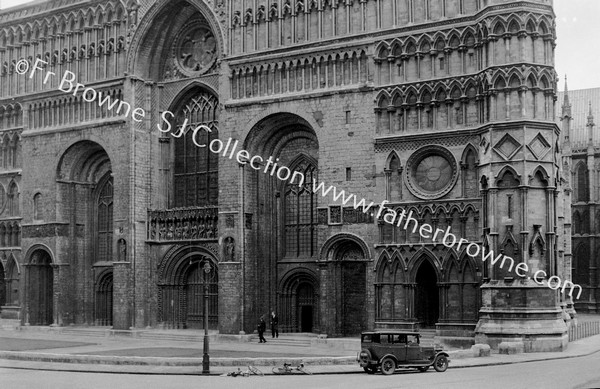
(431, 172)
(197, 50)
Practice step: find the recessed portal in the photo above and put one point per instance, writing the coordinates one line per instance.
(426, 295)
(306, 300)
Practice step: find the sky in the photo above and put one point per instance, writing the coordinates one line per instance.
(578, 41)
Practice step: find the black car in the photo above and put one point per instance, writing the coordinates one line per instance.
(389, 350)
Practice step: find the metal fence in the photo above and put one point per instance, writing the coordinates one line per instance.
(584, 330)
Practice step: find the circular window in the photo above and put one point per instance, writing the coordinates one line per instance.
(196, 50)
(431, 172)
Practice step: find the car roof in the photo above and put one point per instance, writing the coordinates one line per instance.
(391, 332)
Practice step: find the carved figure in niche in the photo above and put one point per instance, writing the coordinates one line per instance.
(229, 249)
(120, 44)
(194, 234)
(170, 232)
(153, 230)
(197, 49)
(186, 229)
(201, 229)
(122, 244)
(178, 230)
(162, 232)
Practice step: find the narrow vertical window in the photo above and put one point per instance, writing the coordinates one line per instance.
(510, 206)
(348, 174)
(105, 219)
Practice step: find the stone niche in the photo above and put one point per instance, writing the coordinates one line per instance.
(521, 311)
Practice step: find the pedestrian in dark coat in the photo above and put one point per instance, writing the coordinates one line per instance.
(274, 325)
(262, 327)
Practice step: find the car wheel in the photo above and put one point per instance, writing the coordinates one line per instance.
(388, 366)
(440, 364)
(370, 369)
(423, 369)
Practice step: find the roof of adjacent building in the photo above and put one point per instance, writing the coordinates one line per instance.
(580, 107)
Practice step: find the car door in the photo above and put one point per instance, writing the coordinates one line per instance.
(398, 347)
(413, 349)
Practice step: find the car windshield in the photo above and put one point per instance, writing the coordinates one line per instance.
(371, 338)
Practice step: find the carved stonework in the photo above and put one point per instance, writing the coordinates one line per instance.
(335, 214)
(195, 49)
(183, 224)
(322, 215)
(229, 221)
(229, 249)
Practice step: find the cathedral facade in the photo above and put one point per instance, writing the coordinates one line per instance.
(578, 109)
(442, 107)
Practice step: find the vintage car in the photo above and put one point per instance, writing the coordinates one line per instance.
(390, 350)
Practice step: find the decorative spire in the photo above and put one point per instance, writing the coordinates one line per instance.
(590, 118)
(566, 106)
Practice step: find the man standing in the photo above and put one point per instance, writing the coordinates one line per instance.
(274, 324)
(262, 326)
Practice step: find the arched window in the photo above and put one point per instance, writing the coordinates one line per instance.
(581, 265)
(13, 199)
(12, 282)
(37, 210)
(105, 219)
(301, 213)
(394, 180)
(196, 168)
(583, 190)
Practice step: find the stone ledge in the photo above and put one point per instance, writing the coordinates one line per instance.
(510, 348)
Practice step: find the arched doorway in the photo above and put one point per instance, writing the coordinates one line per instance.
(2, 287)
(298, 307)
(41, 286)
(354, 293)
(182, 277)
(197, 280)
(346, 256)
(426, 295)
(104, 300)
(305, 303)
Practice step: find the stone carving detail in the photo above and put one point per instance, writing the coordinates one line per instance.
(197, 50)
(229, 221)
(322, 215)
(229, 249)
(335, 214)
(45, 230)
(122, 245)
(197, 223)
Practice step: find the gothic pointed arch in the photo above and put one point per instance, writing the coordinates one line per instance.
(582, 182)
(103, 305)
(393, 177)
(194, 123)
(469, 164)
(193, 33)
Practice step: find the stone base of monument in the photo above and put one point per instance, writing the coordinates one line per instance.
(521, 312)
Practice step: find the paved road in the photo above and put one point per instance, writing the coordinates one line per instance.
(577, 373)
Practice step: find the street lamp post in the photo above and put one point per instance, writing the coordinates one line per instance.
(206, 358)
